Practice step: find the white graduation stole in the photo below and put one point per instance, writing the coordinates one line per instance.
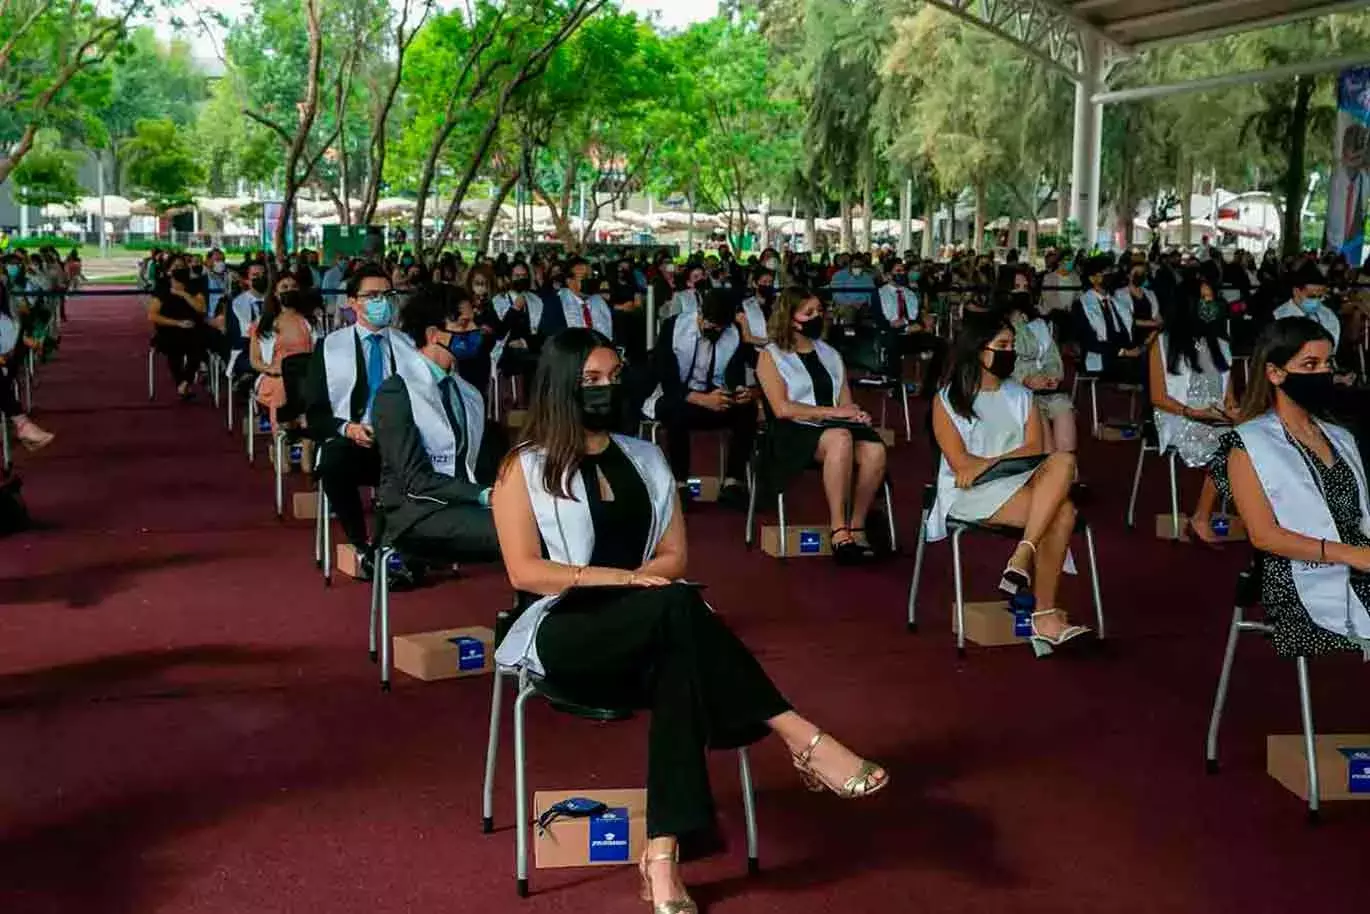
(573, 307)
(340, 365)
(798, 384)
(889, 302)
(1093, 305)
(531, 300)
(1300, 505)
(425, 403)
(755, 317)
(568, 533)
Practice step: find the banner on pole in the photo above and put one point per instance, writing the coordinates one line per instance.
(1346, 196)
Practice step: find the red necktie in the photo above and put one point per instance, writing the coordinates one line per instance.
(585, 312)
(903, 311)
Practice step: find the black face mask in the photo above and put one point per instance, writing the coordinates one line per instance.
(521, 284)
(181, 275)
(259, 285)
(1002, 363)
(601, 406)
(812, 328)
(1314, 392)
(766, 293)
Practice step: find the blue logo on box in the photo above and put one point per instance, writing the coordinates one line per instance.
(1357, 770)
(810, 542)
(470, 653)
(264, 424)
(1022, 607)
(1221, 525)
(609, 836)
(296, 453)
(696, 487)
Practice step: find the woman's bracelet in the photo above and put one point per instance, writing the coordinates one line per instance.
(575, 579)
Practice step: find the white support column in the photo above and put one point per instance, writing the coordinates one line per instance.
(1084, 199)
(906, 217)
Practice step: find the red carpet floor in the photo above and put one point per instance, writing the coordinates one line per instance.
(189, 722)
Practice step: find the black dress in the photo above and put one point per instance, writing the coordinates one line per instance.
(183, 347)
(1295, 631)
(790, 446)
(658, 648)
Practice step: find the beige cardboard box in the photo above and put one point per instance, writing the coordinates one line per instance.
(888, 436)
(612, 840)
(1165, 528)
(1119, 430)
(447, 654)
(1337, 774)
(516, 418)
(988, 624)
(305, 505)
(705, 488)
(346, 560)
(799, 541)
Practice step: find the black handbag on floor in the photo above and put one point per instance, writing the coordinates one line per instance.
(14, 516)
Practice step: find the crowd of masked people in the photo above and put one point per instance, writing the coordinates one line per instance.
(32, 306)
(391, 369)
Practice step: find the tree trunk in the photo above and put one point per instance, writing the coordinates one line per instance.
(810, 227)
(1185, 180)
(1127, 195)
(1063, 192)
(977, 240)
(487, 225)
(309, 110)
(844, 240)
(929, 220)
(867, 216)
(1032, 239)
(1294, 178)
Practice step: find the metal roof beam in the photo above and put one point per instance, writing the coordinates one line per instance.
(1307, 68)
(1035, 27)
(1326, 9)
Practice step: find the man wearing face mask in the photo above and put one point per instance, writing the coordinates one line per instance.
(912, 330)
(334, 295)
(437, 461)
(345, 376)
(700, 368)
(756, 311)
(687, 297)
(581, 303)
(1310, 288)
(519, 314)
(852, 286)
(242, 314)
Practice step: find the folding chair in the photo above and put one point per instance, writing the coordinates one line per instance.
(1151, 445)
(529, 686)
(5, 442)
(1248, 597)
(649, 429)
(151, 372)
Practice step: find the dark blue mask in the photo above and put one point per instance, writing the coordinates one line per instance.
(464, 345)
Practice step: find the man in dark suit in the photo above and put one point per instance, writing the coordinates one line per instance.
(437, 462)
(700, 368)
(345, 375)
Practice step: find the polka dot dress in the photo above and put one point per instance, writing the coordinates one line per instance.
(1295, 632)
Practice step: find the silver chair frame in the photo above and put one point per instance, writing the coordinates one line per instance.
(526, 689)
(1137, 484)
(749, 536)
(151, 373)
(1241, 624)
(323, 528)
(956, 530)
(5, 443)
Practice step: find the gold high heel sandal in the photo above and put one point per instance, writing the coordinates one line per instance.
(862, 784)
(684, 905)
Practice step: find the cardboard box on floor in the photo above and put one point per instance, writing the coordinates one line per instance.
(616, 838)
(346, 560)
(448, 654)
(1165, 528)
(1119, 430)
(988, 624)
(887, 435)
(799, 541)
(1343, 764)
(305, 505)
(705, 488)
(516, 418)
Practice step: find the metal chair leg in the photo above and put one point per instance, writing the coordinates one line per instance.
(1136, 487)
(278, 443)
(381, 572)
(521, 790)
(487, 796)
(151, 375)
(908, 424)
(917, 572)
(1174, 499)
(324, 511)
(750, 535)
(373, 642)
(744, 769)
(1310, 749)
(960, 597)
(784, 533)
(1220, 697)
(1100, 628)
(889, 516)
(318, 529)
(1094, 405)
(228, 404)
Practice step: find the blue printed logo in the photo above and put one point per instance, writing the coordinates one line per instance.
(1357, 770)
(1221, 526)
(810, 542)
(609, 836)
(696, 487)
(470, 653)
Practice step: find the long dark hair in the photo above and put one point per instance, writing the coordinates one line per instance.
(1279, 342)
(1184, 331)
(964, 368)
(276, 303)
(554, 426)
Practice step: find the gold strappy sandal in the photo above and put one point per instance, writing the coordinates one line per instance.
(862, 784)
(684, 905)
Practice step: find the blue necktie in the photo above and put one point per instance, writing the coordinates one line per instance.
(375, 367)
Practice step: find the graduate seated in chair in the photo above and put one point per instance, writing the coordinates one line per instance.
(806, 390)
(437, 463)
(979, 418)
(700, 366)
(912, 327)
(1105, 330)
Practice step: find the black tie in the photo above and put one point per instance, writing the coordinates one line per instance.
(447, 389)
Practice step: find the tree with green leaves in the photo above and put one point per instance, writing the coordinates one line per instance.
(162, 164)
(49, 173)
(51, 56)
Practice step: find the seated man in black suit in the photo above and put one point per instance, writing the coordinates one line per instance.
(700, 366)
(430, 429)
(345, 374)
